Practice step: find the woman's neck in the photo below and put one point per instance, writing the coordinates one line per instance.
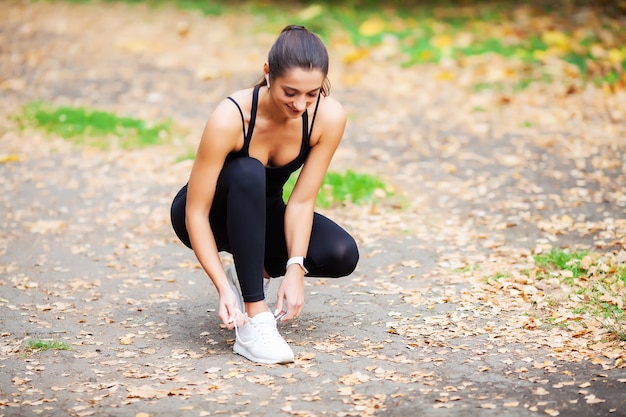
(269, 110)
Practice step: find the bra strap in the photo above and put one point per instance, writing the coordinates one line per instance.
(243, 123)
(255, 105)
(314, 113)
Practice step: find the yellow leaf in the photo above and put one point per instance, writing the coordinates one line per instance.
(4, 158)
(441, 41)
(371, 27)
(540, 55)
(311, 12)
(355, 55)
(616, 56)
(556, 38)
(446, 75)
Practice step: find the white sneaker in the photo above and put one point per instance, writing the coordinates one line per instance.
(233, 280)
(259, 341)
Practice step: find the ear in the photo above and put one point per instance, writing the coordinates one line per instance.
(266, 69)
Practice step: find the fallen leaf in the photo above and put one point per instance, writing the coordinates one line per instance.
(592, 399)
(126, 340)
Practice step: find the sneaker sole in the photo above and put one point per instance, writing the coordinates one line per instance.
(240, 350)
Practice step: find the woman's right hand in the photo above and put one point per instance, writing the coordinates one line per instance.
(229, 311)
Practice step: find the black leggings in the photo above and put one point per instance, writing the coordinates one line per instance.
(251, 227)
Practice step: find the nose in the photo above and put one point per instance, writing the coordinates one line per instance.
(300, 104)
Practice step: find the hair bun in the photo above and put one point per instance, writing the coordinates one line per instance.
(293, 27)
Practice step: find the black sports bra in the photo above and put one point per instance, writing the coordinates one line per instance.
(276, 177)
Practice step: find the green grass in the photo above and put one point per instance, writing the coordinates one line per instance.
(45, 345)
(560, 260)
(93, 127)
(596, 281)
(190, 155)
(496, 277)
(339, 188)
(551, 323)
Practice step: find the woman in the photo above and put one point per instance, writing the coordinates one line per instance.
(233, 201)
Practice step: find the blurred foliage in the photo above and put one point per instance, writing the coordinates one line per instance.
(93, 127)
(545, 41)
(349, 187)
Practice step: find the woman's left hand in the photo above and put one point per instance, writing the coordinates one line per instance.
(290, 297)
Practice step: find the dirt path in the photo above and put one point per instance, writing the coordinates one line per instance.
(87, 255)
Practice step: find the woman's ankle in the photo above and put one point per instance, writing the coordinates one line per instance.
(255, 308)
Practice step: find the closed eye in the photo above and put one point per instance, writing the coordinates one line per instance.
(292, 93)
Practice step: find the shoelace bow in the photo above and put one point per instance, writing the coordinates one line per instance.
(265, 332)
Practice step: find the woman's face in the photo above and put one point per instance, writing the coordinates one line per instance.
(295, 91)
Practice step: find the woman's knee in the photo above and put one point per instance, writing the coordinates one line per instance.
(338, 259)
(347, 256)
(246, 175)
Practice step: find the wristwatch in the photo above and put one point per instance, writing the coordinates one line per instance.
(297, 260)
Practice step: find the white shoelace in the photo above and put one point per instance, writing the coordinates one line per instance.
(236, 326)
(265, 332)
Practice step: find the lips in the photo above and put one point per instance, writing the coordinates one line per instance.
(295, 111)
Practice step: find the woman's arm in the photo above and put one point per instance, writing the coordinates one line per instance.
(331, 122)
(221, 136)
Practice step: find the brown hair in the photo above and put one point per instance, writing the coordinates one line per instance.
(297, 47)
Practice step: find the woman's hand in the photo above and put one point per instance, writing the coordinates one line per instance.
(290, 297)
(229, 311)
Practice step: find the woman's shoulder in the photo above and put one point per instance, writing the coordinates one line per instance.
(331, 103)
(331, 111)
(242, 97)
(330, 120)
(226, 110)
